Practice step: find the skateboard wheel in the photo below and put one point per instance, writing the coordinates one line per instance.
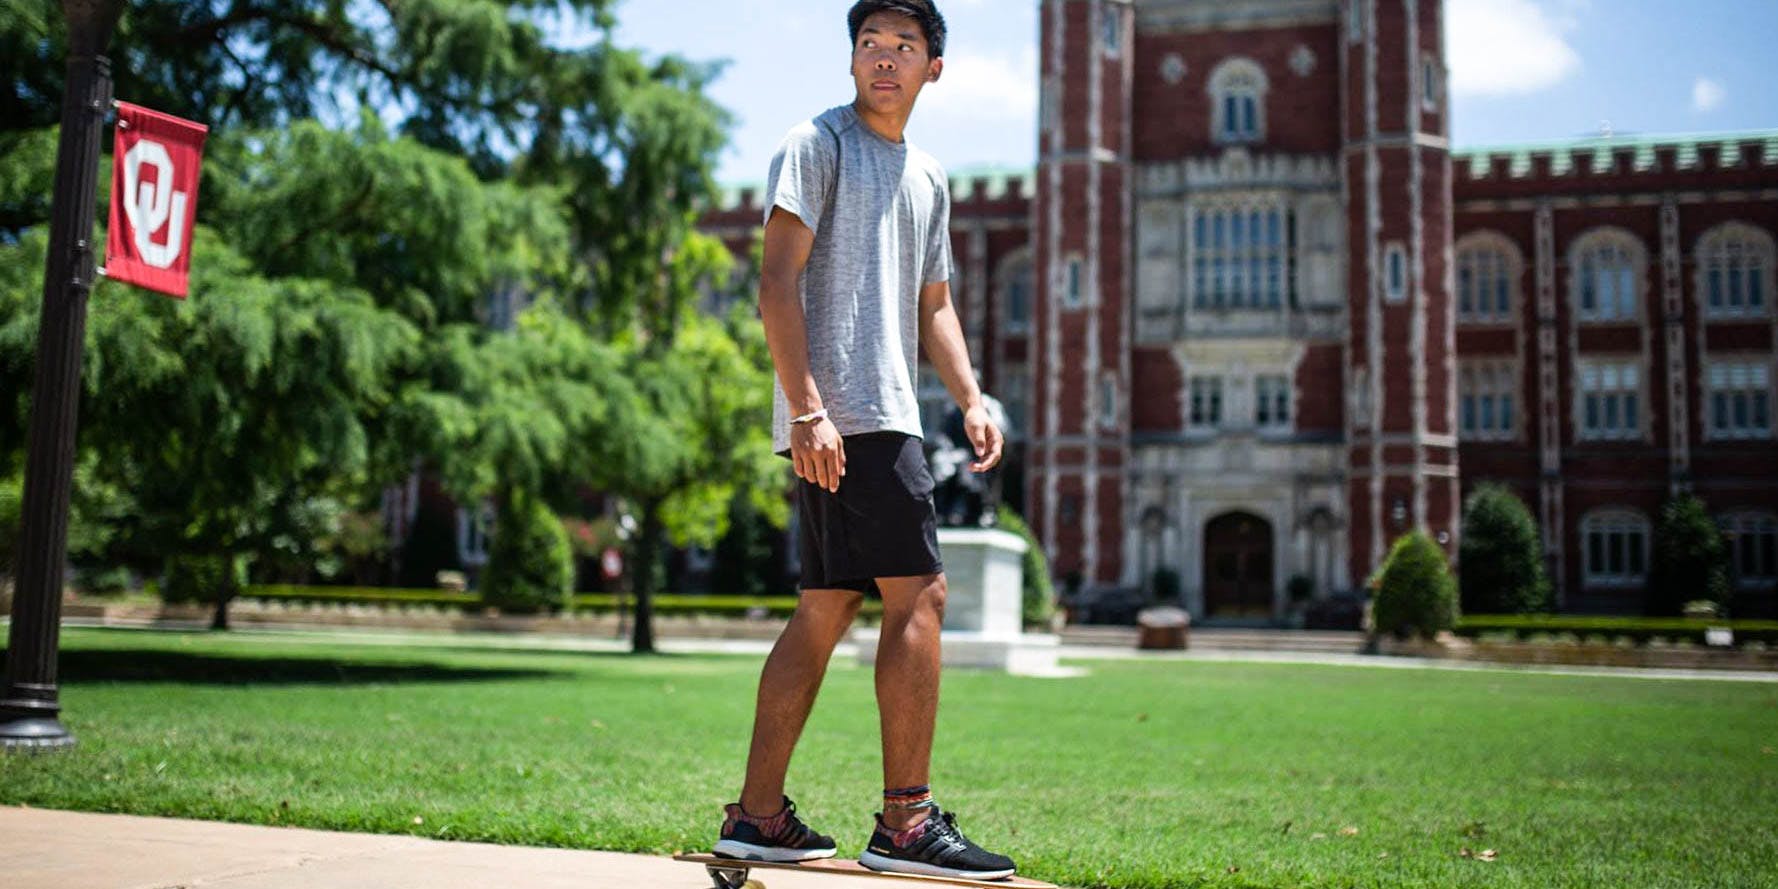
(753, 884)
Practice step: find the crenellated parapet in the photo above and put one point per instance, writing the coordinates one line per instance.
(1618, 163)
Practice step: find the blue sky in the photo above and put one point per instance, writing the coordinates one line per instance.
(1522, 70)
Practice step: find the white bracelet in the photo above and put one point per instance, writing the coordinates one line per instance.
(805, 418)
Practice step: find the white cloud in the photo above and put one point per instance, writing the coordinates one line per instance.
(1707, 94)
(1509, 47)
(980, 88)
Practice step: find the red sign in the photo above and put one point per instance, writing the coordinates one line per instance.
(154, 197)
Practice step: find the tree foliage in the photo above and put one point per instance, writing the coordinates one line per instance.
(1690, 560)
(1416, 594)
(379, 177)
(1501, 558)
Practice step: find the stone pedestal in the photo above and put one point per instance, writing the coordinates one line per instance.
(984, 581)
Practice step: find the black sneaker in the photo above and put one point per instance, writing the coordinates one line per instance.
(942, 851)
(792, 840)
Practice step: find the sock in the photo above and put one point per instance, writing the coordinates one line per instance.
(904, 799)
(769, 825)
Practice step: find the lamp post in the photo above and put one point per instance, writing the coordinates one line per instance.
(29, 705)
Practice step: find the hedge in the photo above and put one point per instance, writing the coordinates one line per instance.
(665, 603)
(1638, 629)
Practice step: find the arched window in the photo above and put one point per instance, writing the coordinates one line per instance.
(1237, 102)
(1017, 282)
(1240, 257)
(1607, 269)
(1488, 270)
(1615, 548)
(1735, 272)
(1752, 539)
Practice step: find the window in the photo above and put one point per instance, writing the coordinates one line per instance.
(1606, 268)
(1429, 84)
(1071, 284)
(1271, 402)
(1735, 272)
(1114, 30)
(1740, 404)
(1485, 400)
(1610, 400)
(1049, 111)
(1015, 291)
(1355, 20)
(1615, 548)
(1358, 400)
(1108, 400)
(1237, 102)
(1015, 397)
(1487, 279)
(474, 528)
(1752, 540)
(1206, 410)
(1395, 273)
(1240, 257)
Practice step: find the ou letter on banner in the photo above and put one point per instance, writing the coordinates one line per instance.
(154, 196)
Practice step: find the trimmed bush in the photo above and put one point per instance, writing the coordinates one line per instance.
(1690, 560)
(1039, 597)
(199, 579)
(1500, 562)
(530, 561)
(1416, 594)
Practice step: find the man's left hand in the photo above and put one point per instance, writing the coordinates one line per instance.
(985, 436)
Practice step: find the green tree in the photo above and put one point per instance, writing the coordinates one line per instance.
(1416, 593)
(1690, 559)
(530, 563)
(1501, 558)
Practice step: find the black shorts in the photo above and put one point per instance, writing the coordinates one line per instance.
(880, 523)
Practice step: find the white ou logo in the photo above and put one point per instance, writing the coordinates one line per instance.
(150, 205)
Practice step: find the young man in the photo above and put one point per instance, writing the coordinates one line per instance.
(857, 259)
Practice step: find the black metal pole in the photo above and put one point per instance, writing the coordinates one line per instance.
(29, 707)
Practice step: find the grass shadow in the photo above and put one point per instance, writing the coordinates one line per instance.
(100, 665)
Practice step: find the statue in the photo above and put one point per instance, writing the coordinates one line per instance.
(963, 498)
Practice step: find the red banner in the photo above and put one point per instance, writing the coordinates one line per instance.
(154, 197)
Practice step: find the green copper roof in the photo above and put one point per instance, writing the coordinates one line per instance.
(1596, 152)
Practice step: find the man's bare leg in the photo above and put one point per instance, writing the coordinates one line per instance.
(787, 688)
(907, 683)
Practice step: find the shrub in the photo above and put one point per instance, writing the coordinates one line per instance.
(200, 578)
(1500, 562)
(1039, 597)
(530, 561)
(1416, 593)
(1690, 560)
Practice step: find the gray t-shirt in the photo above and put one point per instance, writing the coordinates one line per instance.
(881, 214)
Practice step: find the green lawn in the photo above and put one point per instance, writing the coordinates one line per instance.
(1143, 774)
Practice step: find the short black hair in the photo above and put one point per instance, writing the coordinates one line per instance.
(925, 12)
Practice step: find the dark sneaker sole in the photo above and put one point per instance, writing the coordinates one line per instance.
(750, 852)
(904, 866)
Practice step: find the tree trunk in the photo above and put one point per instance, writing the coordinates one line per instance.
(646, 571)
(226, 592)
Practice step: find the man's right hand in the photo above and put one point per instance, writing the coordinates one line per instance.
(818, 452)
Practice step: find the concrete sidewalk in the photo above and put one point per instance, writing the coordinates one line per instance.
(53, 849)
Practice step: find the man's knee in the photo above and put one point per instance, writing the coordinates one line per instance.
(831, 610)
(926, 598)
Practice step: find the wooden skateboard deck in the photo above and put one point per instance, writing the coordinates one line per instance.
(731, 873)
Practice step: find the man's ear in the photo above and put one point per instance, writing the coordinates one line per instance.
(937, 68)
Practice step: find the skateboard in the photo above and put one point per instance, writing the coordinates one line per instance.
(731, 873)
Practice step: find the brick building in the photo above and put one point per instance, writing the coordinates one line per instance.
(1254, 317)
